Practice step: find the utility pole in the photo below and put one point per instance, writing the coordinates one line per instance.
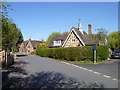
(94, 53)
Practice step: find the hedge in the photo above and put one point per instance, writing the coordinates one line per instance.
(74, 53)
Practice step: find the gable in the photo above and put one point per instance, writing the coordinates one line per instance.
(72, 40)
(29, 45)
(79, 40)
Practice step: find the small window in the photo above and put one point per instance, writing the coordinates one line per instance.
(73, 40)
(57, 43)
(28, 46)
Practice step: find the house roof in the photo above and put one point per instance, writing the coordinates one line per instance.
(85, 38)
(33, 42)
(25, 43)
(36, 43)
(57, 37)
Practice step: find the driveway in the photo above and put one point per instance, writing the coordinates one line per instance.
(38, 72)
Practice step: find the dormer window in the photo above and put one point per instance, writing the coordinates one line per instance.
(57, 43)
(73, 40)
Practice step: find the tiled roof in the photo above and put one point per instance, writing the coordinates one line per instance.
(36, 43)
(33, 42)
(25, 43)
(85, 38)
(57, 37)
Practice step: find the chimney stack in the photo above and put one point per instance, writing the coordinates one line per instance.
(89, 29)
(29, 39)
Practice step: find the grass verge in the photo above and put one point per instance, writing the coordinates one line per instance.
(79, 62)
(21, 54)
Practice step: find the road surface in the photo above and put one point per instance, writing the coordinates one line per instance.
(37, 72)
(109, 68)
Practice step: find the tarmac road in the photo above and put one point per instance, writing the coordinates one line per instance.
(42, 72)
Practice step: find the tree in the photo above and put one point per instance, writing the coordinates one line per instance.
(101, 35)
(11, 35)
(51, 35)
(114, 40)
(42, 45)
(4, 9)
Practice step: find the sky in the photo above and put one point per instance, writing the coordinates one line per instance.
(37, 20)
(63, 0)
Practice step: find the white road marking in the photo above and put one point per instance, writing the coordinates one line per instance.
(66, 63)
(79, 67)
(96, 72)
(114, 79)
(91, 70)
(106, 76)
(85, 68)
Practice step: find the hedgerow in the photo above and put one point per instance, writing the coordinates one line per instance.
(74, 53)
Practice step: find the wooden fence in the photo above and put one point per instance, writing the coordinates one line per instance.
(6, 59)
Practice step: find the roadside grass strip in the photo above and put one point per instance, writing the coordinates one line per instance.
(106, 76)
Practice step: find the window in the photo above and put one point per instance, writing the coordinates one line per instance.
(57, 43)
(73, 40)
(28, 46)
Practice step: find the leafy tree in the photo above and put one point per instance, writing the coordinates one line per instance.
(11, 35)
(4, 9)
(43, 45)
(50, 36)
(114, 40)
(100, 36)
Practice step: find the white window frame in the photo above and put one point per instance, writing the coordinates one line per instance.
(57, 43)
(72, 40)
(28, 46)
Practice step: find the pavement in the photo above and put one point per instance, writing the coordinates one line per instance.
(38, 72)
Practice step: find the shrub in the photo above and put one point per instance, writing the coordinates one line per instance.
(74, 53)
(32, 53)
(102, 52)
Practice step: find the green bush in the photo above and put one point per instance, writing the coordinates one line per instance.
(32, 53)
(102, 52)
(74, 53)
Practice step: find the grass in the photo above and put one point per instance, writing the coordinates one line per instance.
(21, 54)
(80, 62)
